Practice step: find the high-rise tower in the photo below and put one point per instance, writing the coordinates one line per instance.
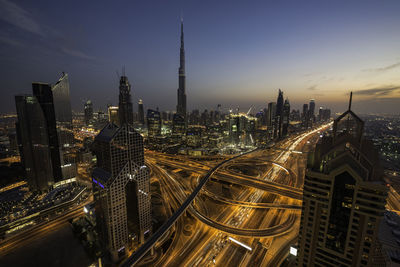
(125, 108)
(278, 115)
(344, 198)
(311, 110)
(140, 112)
(285, 117)
(121, 189)
(181, 106)
(34, 143)
(88, 109)
(44, 95)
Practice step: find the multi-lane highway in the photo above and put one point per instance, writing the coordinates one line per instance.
(268, 200)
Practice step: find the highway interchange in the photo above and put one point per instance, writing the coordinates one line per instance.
(246, 213)
(261, 211)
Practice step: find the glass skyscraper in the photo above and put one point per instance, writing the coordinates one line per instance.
(34, 143)
(44, 95)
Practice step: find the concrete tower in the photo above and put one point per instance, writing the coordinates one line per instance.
(181, 106)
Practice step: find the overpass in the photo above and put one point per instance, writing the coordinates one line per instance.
(142, 250)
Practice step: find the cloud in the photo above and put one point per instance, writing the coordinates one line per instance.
(10, 41)
(379, 91)
(76, 53)
(19, 17)
(383, 69)
(312, 88)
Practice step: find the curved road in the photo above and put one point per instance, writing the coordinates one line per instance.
(136, 256)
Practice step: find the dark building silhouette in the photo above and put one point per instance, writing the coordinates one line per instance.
(311, 111)
(324, 114)
(88, 110)
(140, 112)
(344, 198)
(121, 189)
(153, 123)
(271, 119)
(285, 117)
(305, 116)
(181, 106)
(34, 143)
(279, 116)
(125, 109)
(44, 95)
(63, 112)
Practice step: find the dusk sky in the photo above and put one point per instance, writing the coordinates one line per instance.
(238, 53)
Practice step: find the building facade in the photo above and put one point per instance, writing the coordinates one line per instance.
(121, 189)
(153, 123)
(34, 143)
(344, 198)
(140, 112)
(181, 106)
(125, 108)
(285, 117)
(279, 116)
(88, 112)
(44, 95)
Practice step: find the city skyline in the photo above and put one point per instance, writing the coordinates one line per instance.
(323, 50)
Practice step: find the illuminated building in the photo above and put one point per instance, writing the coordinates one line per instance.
(88, 111)
(285, 117)
(193, 136)
(181, 106)
(344, 198)
(271, 119)
(242, 128)
(113, 116)
(121, 189)
(34, 143)
(178, 125)
(140, 112)
(153, 123)
(279, 116)
(125, 109)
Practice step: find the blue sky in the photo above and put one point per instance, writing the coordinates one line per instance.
(238, 53)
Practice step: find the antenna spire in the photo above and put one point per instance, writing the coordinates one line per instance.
(351, 97)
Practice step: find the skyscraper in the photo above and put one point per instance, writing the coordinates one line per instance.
(278, 115)
(140, 112)
(121, 188)
(113, 116)
(44, 95)
(153, 123)
(63, 112)
(178, 125)
(271, 113)
(125, 109)
(305, 116)
(34, 143)
(344, 198)
(311, 111)
(56, 106)
(285, 117)
(88, 110)
(181, 106)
